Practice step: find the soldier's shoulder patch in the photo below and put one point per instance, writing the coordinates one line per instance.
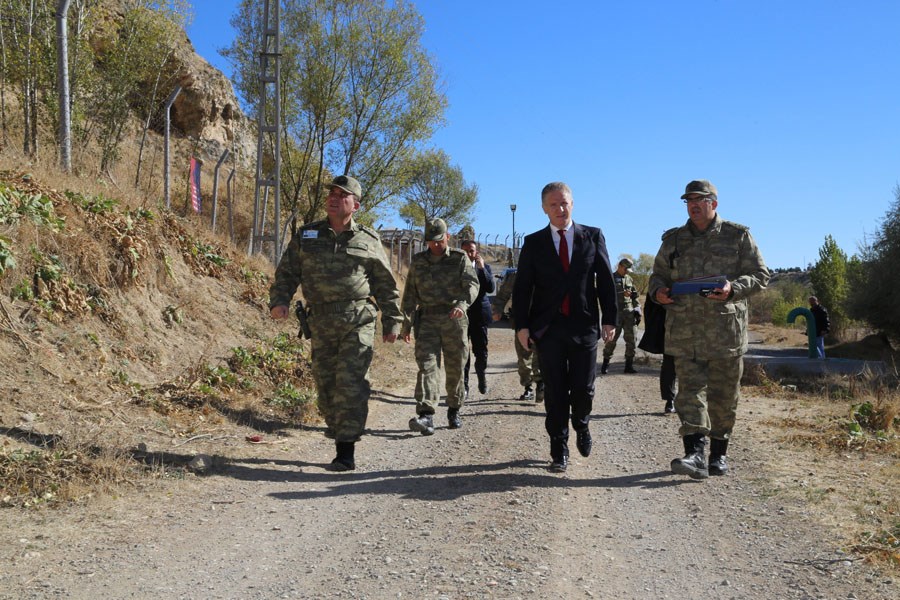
(670, 232)
(369, 231)
(734, 225)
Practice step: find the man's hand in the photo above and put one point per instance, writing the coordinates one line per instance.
(479, 262)
(279, 312)
(495, 316)
(457, 313)
(390, 338)
(607, 332)
(524, 338)
(662, 296)
(405, 337)
(721, 294)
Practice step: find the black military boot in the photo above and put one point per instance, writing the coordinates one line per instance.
(604, 368)
(344, 459)
(717, 450)
(453, 420)
(694, 462)
(482, 383)
(629, 366)
(539, 395)
(559, 454)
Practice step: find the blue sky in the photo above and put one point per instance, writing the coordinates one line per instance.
(789, 107)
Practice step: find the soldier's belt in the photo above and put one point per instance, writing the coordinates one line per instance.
(437, 309)
(333, 308)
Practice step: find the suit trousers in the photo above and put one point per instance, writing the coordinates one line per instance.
(478, 334)
(569, 369)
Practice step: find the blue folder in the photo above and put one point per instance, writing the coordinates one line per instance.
(698, 285)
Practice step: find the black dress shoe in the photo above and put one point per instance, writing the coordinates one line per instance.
(584, 442)
(560, 465)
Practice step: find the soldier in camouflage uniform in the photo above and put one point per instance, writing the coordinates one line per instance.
(629, 316)
(440, 286)
(528, 364)
(707, 332)
(341, 266)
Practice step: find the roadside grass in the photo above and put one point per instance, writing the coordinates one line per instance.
(838, 421)
(267, 388)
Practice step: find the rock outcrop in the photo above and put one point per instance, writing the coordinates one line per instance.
(208, 111)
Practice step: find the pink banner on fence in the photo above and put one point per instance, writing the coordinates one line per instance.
(195, 184)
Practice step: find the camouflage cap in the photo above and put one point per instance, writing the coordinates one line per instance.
(348, 184)
(627, 263)
(702, 187)
(435, 230)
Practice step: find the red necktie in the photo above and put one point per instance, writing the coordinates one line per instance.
(564, 259)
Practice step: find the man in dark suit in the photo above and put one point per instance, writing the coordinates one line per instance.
(479, 316)
(564, 284)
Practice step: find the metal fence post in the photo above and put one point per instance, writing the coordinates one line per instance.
(215, 197)
(166, 169)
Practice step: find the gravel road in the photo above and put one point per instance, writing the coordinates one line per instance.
(469, 513)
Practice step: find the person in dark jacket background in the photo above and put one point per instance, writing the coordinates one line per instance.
(654, 342)
(823, 324)
(479, 316)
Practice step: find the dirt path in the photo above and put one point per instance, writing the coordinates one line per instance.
(471, 513)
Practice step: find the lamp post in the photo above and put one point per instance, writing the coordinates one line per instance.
(512, 207)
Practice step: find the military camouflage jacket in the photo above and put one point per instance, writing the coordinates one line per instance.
(504, 294)
(697, 327)
(624, 304)
(438, 283)
(351, 265)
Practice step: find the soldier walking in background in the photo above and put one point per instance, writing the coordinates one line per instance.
(479, 314)
(439, 288)
(629, 316)
(529, 366)
(707, 332)
(340, 265)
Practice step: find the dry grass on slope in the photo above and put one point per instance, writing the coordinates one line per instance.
(126, 332)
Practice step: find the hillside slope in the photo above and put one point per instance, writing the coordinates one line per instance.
(117, 326)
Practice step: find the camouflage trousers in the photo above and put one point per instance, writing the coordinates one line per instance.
(341, 355)
(440, 339)
(529, 365)
(708, 394)
(626, 326)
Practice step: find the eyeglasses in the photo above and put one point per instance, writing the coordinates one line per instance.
(697, 200)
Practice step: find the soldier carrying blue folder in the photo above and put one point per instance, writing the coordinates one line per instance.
(713, 266)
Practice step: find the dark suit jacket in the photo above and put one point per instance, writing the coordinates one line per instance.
(480, 310)
(541, 283)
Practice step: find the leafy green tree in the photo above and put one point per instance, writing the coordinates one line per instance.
(875, 279)
(437, 190)
(359, 93)
(829, 282)
(132, 58)
(27, 31)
